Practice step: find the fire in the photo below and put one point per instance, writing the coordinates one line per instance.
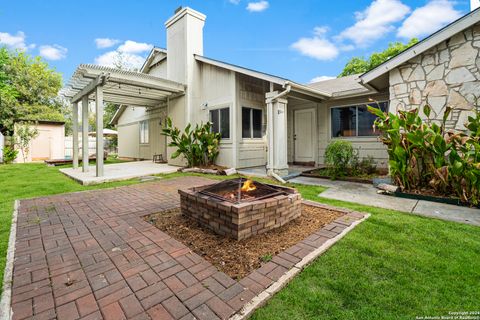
(248, 186)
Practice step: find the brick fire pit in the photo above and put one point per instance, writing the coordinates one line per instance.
(240, 208)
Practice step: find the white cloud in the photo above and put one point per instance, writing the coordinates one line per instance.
(130, 46)
(122, 60)
(53, 52)
(15, 41)
(428, 19)
(103, 43)
(321, 78)
(234, 1)
(375, 21)
(258, 6)
(318, 46)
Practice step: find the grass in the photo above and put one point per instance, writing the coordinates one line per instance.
(392, 266)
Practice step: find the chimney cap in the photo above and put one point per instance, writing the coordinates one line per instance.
(178, 10)
(182, 11)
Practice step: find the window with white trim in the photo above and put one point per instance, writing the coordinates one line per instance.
(251, 123)
(220, 119)
(355, 121)
(144, 131)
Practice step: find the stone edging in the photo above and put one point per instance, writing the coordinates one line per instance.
(5, 306)
(260, 299)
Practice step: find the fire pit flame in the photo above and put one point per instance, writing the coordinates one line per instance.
(248, 186)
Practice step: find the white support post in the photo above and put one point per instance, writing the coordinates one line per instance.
(270, 136)
(280, 140)
(85, 146)
(75, 134)
(99, 116)
(277, 161)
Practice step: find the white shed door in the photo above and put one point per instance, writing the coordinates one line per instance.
(304, 135)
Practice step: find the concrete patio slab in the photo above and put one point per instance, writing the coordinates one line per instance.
(119, 171)
(366, 194)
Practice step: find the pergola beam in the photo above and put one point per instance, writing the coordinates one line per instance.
(99, 80)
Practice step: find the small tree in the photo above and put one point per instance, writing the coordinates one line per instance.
(24, 134)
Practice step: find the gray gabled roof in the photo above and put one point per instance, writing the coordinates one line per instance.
(340, 87)
(436, 38)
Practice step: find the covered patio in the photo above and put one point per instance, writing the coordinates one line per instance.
(103, 84)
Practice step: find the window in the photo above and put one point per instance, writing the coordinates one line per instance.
(220, 119)
(144, 131)
(251, 123)
(354, 121)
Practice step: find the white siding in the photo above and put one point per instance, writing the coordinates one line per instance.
(251, 93)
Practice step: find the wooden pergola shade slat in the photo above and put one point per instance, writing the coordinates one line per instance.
(104, 84)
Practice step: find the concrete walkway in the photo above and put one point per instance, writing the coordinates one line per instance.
(367, 195)
(119, 171)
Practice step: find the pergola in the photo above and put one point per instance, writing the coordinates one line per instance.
(103, 84)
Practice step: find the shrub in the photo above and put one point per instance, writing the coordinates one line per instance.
(199, 146)
(338, 155)
(9, 154)
(425, 155)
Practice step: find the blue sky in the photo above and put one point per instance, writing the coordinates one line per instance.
(300, 40)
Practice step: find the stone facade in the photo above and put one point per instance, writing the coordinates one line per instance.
(446, 75)
(243, 220)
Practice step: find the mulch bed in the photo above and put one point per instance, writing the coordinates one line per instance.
(239, 258)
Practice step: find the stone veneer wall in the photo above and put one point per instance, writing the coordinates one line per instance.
(446, 75)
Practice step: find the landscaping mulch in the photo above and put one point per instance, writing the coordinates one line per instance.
(239, 258)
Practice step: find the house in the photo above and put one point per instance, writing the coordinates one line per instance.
(48, 145)
(269, 120)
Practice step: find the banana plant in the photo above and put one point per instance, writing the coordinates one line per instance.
(198, 145)
(423, 154)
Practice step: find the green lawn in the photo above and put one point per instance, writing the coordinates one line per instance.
(392, 266)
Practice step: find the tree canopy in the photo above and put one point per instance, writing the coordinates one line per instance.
(361, 65)
(28, 90)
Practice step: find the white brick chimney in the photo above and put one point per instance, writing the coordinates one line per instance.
(184, 40)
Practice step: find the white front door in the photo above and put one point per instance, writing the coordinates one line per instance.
(304, 135)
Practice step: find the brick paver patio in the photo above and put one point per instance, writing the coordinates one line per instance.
(90, 255)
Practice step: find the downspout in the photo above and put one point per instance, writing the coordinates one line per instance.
(288, 88)
(270, 101)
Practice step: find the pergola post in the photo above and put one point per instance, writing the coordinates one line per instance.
(75, 135)
(85, 146)
(99, 116)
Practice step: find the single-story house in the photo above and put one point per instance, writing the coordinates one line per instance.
(269, 120)
(48, 145)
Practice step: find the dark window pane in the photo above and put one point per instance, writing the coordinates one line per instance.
(225, 123)
(344, 122)
(366, 119)
(246, 123)
(215, 121)
(257, 123)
